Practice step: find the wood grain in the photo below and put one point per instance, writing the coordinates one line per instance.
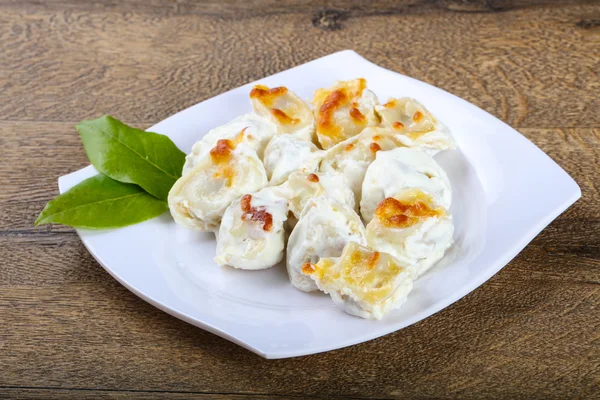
(90, 332)
(68, 330)
(529, 68)
(90, 394)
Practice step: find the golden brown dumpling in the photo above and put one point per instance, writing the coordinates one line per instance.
(285, 109)
(343, 110)
(415, 126)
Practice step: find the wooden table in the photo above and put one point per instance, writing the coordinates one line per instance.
(69, 330)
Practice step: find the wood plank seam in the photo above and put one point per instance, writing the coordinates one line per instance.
(74, 389)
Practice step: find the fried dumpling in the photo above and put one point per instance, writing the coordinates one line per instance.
(251, 235)
(324, 228)
(285, 109)
(250, 129)
(399, 169)
(412, 227)
(343, 110)
(415, 126)
(353, 156)
(285, 154)
(363, 282)
(199, 198)
(302, 186)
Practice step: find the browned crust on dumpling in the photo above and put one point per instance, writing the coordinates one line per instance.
(256, 214)
(313, 178)
(357, 116)
(402, 214)
(267, 96)
(221, 153)
(283, 118)
(374, 147)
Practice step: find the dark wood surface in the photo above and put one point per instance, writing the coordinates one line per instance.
(68, 330)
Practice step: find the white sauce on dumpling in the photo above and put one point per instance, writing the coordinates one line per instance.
(252, 233)
(399, 169)
(324, 228)
(415, 126)
(353, 156)
(199, 198)
(285, 154)
(343, 110)
(302, 186)
(250, 129)
(412, 227)
(363, 282)
(285, 109)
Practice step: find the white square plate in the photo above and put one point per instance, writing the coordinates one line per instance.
(505, 190)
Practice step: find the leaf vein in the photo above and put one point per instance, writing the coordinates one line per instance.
(138, 154)
(94, 202)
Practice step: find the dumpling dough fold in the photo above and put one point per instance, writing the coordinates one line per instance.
(286, 154)
(302, 186)
(363, 282)
(353, 156)
(415, 126)
(252, 234)
(343, 110)
(285, 109)
(199, 198)
(399, 169)
(250, 129)
(324, 228)
(412, 227)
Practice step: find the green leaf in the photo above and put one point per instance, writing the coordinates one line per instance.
(101, 203)
(132, 155)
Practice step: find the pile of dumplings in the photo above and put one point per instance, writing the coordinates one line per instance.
(347, 190)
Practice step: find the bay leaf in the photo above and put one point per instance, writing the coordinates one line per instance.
(100, 202)
(131, 155)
